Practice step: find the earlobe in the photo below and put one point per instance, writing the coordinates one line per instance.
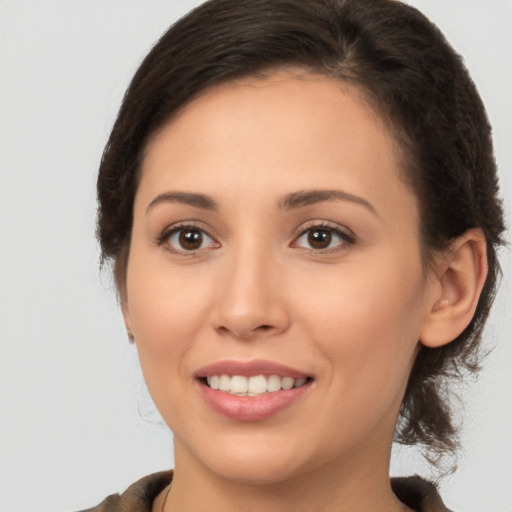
(460, 276)
(127, 320)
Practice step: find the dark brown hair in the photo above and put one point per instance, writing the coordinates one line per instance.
(414, 79)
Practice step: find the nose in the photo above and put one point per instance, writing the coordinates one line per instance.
(251, 299)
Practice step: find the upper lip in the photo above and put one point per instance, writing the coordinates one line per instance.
(250, 369)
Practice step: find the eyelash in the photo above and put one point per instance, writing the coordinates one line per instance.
(346, 237)
(163, 239)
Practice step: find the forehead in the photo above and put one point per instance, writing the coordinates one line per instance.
(288, 129)
(287, 95)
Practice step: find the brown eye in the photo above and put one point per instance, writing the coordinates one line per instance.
(319, 238)
(189, 239)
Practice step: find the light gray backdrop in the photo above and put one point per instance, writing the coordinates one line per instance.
(75, 420)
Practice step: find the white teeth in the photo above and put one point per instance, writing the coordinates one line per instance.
(213, 381)
(224, 383)
(253, 386)
(238, 384)
(287, 383)
(257, 384)
(299, 382)
(273, 383)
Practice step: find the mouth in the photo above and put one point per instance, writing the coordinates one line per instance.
(257, 385)
(251, 391)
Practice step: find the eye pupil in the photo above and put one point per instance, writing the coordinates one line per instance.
(319, 238)
(191, 239)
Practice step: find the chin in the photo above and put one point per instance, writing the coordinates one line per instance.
(257, 461)
(257, 471)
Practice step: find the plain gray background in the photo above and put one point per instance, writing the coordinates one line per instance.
(76, 423)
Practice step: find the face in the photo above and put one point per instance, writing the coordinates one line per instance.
(275, 254)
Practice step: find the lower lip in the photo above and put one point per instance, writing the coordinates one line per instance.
(252, 408)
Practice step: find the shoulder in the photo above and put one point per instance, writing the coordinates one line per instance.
(415, 492)
(419, 494)
(138, 497)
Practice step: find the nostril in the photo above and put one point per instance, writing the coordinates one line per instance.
(244, 332)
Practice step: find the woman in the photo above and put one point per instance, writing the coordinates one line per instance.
(300, 203)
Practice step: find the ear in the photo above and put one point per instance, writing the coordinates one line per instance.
(127, 319)
(460, 274)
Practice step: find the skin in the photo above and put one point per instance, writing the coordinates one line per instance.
(350, 315)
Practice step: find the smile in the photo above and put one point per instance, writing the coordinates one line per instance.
(253, 390)
(253, 386)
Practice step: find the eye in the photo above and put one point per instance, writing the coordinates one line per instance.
(188, 239)
(321, 238)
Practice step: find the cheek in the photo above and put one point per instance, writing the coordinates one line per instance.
(166, 321)
(166, 314)
(367, 322)
(366, 325)
(164, 307)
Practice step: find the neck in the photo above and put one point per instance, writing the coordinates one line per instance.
(347, 487)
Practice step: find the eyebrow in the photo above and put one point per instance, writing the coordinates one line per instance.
(310, 197)
(289, 202)
(189, 198)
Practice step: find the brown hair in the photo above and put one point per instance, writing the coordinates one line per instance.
(418, 84)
